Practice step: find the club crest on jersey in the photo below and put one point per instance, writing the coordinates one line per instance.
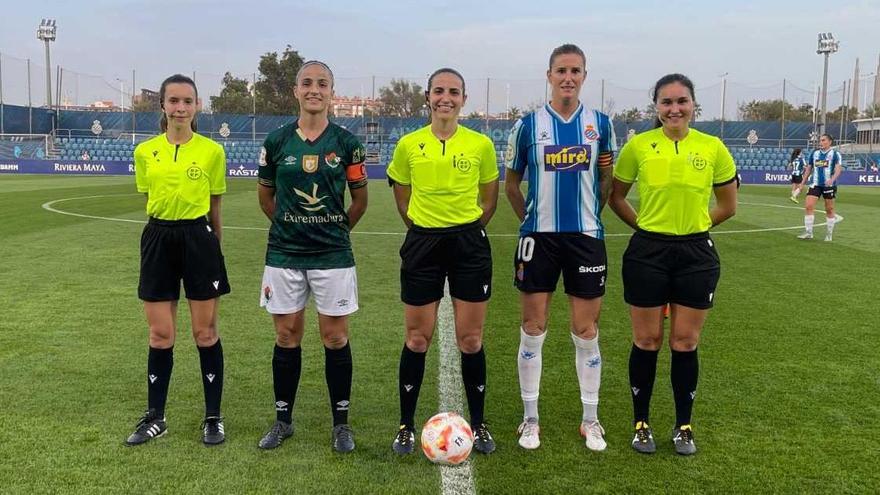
(332, 160)
(590, 133)
(194, 172)
(558, 158)
(310, 163)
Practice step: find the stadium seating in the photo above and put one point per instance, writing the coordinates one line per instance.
(380, 149)
(17, 147)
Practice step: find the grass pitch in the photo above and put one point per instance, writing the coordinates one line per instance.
(788, 394)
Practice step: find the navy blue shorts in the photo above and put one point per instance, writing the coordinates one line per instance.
(827, 192)
(540, 257)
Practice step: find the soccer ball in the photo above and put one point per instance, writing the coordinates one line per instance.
(447, 439)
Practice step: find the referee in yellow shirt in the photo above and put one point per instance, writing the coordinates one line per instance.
(445, 180)
(671, 258)
(183, 175)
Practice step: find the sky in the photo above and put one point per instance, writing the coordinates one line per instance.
(502, 45)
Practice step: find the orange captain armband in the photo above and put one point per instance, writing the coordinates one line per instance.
(356, 173)
(606, 159)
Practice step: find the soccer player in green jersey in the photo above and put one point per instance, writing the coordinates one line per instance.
(671, 258)
(183, 175)
(304, 169)
(445, 180)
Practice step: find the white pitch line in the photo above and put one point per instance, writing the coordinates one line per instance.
(459, 479)
(49, 206)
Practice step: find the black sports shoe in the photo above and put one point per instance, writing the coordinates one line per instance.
(483, 442)
(643, 440)
(212, 430)
(683, 439)
(149, 427)
(276, 435)
(343, 438)
(405, 441)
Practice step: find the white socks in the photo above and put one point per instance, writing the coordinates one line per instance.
(808, 223)
(830, 225)
(529, 364)
(588, 363)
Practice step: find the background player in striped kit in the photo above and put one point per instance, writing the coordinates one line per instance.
(796, 163)
(567, 151)
(823, 168)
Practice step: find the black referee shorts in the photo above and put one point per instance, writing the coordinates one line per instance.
(660, 269)
(172, 250)
(430, 256)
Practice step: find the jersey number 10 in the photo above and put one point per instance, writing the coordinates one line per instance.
(525, 248)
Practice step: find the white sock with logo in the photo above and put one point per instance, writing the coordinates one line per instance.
(830, 223)
(528, 363)
(588, 363)
(808, 223)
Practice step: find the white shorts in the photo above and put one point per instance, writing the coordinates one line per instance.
(286, 290)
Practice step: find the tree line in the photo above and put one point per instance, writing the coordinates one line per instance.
(273, 92)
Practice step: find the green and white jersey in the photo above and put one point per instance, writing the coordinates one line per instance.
(310, 227)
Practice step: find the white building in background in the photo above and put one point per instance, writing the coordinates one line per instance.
(867, 136)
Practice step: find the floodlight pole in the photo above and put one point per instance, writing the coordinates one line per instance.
(827, 46)
(824, 95)
(46, 33)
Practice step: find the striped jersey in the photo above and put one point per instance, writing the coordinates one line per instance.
(559, 158)
(798, 165)
(823, 165)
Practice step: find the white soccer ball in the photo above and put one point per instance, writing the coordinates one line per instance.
(447, 439)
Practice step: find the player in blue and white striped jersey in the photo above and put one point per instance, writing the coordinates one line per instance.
(797, 163)
(824, 166)
(566, 150)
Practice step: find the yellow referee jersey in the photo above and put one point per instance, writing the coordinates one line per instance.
(675, 179)
(444, 175)
(179, 179)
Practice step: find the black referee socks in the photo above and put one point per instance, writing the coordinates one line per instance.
(685, 372)
(411, 373)
(211, 360)
(473, 374)
(159, 364)
(337, 371)
(642, 371)
(286, 370)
